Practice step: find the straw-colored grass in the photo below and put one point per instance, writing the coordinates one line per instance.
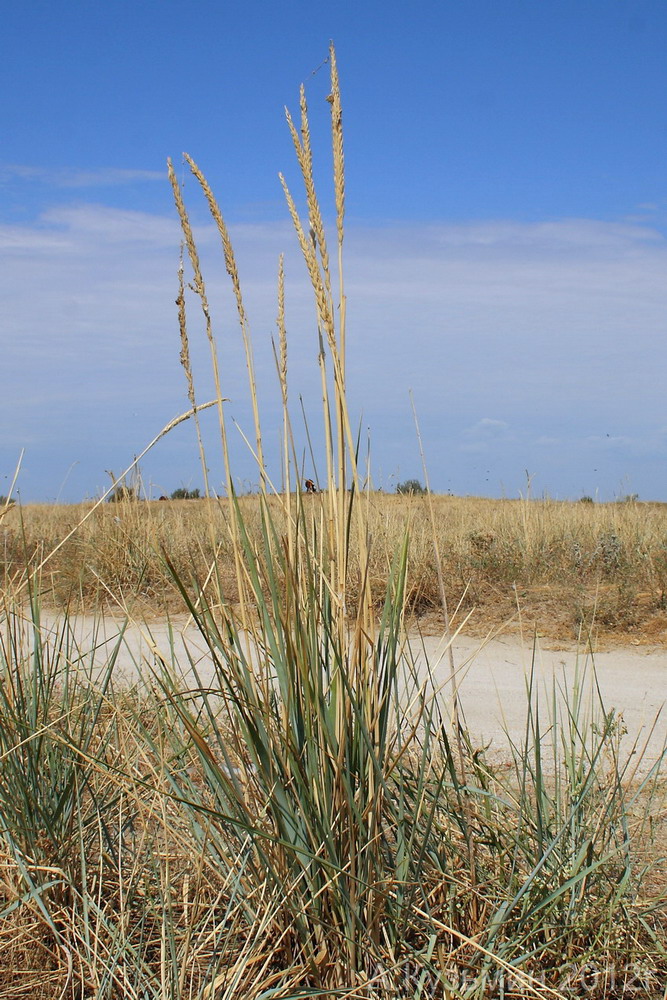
(564, 566)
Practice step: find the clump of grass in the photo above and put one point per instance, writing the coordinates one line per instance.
(253, 830)
(307, 822)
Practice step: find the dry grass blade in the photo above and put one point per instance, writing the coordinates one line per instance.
(35, 573)
(8, 499)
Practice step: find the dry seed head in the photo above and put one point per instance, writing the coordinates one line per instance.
(308, 251)
(232, 270)
(305, 128)
(182, 324)
(305, 160)
(314, 212)
(337, 137)
(200, 289)
(187, 232)
(228, 250)
(282, 369)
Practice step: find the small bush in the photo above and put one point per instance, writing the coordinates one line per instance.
(411, 486)
(183, 494)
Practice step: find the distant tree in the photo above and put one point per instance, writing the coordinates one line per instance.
(184, 494)
(586, 499)
(5, 502)
(411, 486)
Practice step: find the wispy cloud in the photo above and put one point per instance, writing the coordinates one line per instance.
(485, 435)
(555, 236)
(653, 443)
(525, 344)
(111, 226)
(71, 177)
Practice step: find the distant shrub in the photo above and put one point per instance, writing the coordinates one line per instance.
(411, 486)
(6, 501)
(183, 494)
(586, 499)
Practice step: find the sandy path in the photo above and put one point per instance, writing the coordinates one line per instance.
(492, 680)
(491, 676)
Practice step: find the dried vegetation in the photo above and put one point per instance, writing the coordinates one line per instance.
(555, 566)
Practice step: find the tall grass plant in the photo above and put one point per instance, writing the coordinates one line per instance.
(310, 822)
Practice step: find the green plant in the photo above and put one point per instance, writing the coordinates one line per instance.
(184, 494)
(56, 819)
(572, 880)
(411, 486)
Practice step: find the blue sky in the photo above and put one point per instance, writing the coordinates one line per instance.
(506, 224)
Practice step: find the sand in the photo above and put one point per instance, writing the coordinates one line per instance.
(491, 676)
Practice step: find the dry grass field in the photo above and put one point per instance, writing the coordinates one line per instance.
(561, 568)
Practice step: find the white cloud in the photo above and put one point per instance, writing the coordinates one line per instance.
(558, 329)
(484, 435)
(112, 225)
(487, 430)
(565, 234)
(70, 177)
(653, 443)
